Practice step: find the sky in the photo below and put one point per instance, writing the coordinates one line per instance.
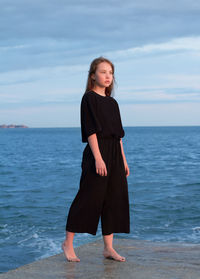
(46, 48)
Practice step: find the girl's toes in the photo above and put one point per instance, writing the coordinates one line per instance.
(74, 259)
(122, 259)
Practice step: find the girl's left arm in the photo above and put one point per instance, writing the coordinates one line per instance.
(124, 159)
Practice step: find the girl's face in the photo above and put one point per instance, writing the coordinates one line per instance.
(104, 75)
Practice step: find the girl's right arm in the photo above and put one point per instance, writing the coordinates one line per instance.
(99, 162)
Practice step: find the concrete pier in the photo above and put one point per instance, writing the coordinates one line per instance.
(144, 260)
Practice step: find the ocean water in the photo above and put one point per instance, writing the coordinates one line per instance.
(39, 177)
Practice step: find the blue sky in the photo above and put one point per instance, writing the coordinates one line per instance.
(46, 48)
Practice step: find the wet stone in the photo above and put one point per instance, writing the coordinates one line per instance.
(144, 260)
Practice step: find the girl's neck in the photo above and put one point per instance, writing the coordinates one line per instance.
(99, 90)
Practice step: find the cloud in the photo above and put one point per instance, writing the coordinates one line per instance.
(42, 115)
(46, 86)
(189, 45)
(46, 48)
(159, 95)
(166, 114)
(42, 73)
(177, 46)
(51, 33)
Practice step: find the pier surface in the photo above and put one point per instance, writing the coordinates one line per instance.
(144, 260)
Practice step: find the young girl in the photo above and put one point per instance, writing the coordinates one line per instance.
(103, 190)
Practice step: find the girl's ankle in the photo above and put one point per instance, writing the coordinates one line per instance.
(108, 247)
(67, 243)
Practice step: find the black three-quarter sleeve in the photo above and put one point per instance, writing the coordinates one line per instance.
(121, 130)
(90, 123)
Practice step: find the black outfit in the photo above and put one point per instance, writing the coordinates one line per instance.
(105, 196)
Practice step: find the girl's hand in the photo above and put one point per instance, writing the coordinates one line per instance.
(101, 167)
(126, 169)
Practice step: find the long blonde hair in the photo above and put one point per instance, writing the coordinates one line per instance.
(92, 70)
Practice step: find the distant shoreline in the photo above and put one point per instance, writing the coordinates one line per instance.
(78, 127)
(12, 126)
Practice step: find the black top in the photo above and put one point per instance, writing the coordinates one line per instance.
(100, 115)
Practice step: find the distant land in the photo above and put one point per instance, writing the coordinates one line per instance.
(13, 126)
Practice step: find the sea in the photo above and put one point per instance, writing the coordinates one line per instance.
(40, 170)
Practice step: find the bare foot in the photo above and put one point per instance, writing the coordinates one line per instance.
(69, 253)
(112, 254)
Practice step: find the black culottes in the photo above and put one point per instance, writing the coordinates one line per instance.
(101, 196)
